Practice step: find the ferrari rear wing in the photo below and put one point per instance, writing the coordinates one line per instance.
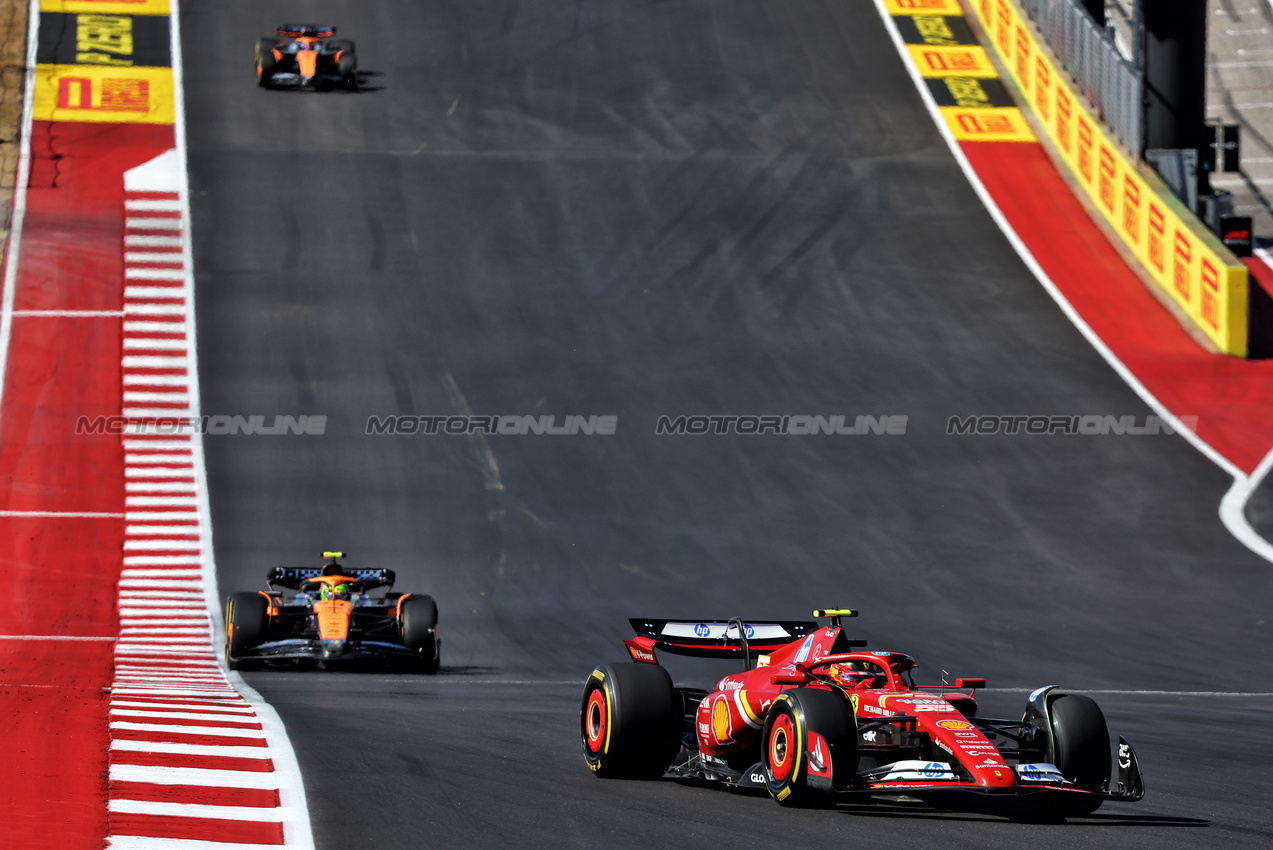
(734, 638)
(293, 577)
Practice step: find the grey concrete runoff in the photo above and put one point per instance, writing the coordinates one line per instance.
(708, 207)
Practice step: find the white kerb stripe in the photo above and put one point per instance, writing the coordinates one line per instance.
(152, 223)
(190, 706)
(218, 731)
(141, 842)
(154, 274)
(189, 749)
(192, 810)
(159, 775)
(133, 240)
(152, 205)
(124, 711)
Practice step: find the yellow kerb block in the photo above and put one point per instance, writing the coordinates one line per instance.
(104, 94)
(923, 7)
(987, 124)
(951, 61)
(106, 7)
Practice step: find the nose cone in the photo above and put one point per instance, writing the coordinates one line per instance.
(307, 62)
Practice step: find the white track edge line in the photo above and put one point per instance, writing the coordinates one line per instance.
(297, 829)
(14, 241)
(1232, 505)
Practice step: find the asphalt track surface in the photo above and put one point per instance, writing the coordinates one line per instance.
(639, 209)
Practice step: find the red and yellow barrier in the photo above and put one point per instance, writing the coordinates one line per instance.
(1186, 260)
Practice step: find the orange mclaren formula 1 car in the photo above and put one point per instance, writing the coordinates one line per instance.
(306, 56)
(331, 619)
(817, 719)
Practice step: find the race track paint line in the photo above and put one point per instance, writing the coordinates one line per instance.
(66, 314)
(193, 776)
(136, 842)
(188, 810)
(56, 637)
(189, 749)
(221, 731)
(61, 514)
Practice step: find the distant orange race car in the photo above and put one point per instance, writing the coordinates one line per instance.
(306, 56)
(331, 620)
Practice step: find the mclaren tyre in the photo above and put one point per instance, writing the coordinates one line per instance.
(264, 61)
(419, 622)
(246, 625)
(809, 738)
(630, 721)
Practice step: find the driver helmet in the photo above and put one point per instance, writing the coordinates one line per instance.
(858, 674)
(338, 591)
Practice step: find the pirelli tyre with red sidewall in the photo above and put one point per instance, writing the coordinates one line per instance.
(809, 738)
(630, 721)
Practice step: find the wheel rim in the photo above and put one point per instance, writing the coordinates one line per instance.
(781, 748)
(594, 723)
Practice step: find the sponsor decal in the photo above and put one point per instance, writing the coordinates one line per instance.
(95, 93)
(987, 124)
(804, 649)
(957, 725)
(1210, 294)
(720, 721)
(934, 770)
(702, 630)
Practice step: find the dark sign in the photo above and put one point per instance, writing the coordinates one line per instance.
(1235, 232)
(111, 40)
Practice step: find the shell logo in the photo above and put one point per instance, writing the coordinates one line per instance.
(720, 720)
(957, 725)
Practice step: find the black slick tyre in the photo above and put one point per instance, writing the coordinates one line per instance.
(1081, 746)
(630, 721)
(246, 625)
(264, 61)
(799, 770)
(419, 623)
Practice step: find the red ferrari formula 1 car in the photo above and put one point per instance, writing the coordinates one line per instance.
(306, 56)
(818, 719)
(331, 619)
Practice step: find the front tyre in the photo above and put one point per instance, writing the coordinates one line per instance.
(1081, 750)
(809, 745)
(246, 625)
(419, 622)
(264, 61)
(630, 721)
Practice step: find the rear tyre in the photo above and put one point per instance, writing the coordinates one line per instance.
(630, 721)
(264, 61)
(348, 68)
(1082, 753)
(798, 771)
(246, 625)
(419, 623)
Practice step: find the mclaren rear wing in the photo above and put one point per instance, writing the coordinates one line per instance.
(736, 638)
(293, 577)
